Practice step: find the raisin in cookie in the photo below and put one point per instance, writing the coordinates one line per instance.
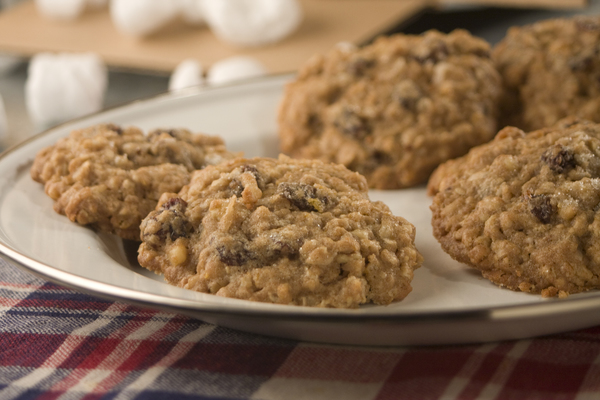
(282, 231)
(524, 208)
(110, 177)
(550, 70)
(395, 109)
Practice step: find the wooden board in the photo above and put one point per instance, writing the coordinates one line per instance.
(326, 22)
(23, 31)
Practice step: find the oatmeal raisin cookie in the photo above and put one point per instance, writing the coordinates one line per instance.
(111, 177)
(524, 209)
(550, 70)
(395, 109)
(284, 231)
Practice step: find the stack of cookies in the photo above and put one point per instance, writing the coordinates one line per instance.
(284, 231)
(406, 110)
(521, 208)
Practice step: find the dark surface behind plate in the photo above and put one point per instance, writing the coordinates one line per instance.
(489, 23)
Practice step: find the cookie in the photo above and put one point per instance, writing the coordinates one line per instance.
(299, 232)
(110, 178)
(524, 208)
(550, 70)
(395, 109)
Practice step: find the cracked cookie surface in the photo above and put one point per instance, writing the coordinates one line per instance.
(395, 109)
(110, 177)
(285, 231)
(550, 70)
(524, 209)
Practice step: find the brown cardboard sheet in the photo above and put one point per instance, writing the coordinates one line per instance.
(23, 31)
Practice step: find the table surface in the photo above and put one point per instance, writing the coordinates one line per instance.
(59, 344)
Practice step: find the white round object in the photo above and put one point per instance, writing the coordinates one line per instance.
(187, 73)
(252, 22)
(235, 68)
(142, 17)
(192, 11)
(62, 10)
(63, 86)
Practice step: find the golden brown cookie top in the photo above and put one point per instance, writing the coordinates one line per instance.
(285, 231)
(551, 70)
(110, 177)
(395, 109)
(523, 208)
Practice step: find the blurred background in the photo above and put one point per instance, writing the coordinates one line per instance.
(139, 66)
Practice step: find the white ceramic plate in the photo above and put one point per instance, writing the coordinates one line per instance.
(450, 303)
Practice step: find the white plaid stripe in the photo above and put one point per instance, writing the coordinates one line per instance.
(79, 335)
(17, 292)
(177, 352)
(589, 395)
(463, 377)
(496, 383)
(94, 378)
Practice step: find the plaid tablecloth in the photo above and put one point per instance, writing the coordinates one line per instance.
(59, 344)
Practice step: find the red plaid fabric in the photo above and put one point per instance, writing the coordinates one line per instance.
(59, 344)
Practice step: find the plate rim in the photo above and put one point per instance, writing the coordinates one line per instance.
(551, 307)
